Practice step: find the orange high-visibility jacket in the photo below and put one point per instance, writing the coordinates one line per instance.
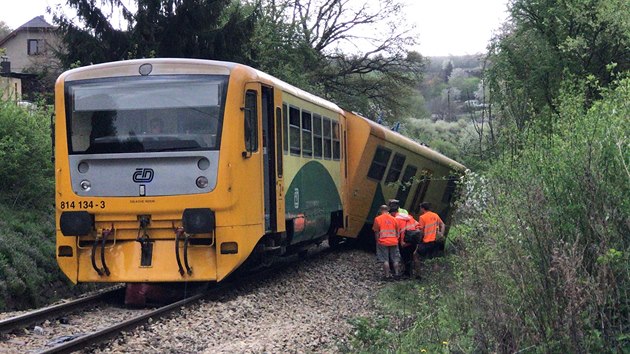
(428, 224)
(386, 227)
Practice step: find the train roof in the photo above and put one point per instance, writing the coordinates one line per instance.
(230, 66)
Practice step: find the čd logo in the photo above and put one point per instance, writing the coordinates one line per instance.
(143, 175)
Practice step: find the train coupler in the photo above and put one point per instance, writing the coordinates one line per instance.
(146, 244)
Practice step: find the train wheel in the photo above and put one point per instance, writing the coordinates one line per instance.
(334, 241)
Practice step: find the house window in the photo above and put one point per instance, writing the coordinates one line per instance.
(35, 46)
(317, 136)
(379, 163)
(396, 168)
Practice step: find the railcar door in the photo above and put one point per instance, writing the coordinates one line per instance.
(269, 159)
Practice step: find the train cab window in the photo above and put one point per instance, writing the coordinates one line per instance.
(294, 131)
(162, 113)
(285, 127)
(307, 134)
(449, 191)
(336, 142)
(395, 168)
(251, 121)
(379, 163)
(317, 136)
(406, 183)
(327, 138)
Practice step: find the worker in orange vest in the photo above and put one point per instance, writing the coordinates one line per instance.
(431, 226)
(386, 234)
(405, 222)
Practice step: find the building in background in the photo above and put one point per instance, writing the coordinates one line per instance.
(29, 60)
(32, 45)
(10, 86)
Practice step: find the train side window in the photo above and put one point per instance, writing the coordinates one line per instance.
(405, 184)
(279, 129)
(421, 192)
(307, 134)
(251, 121)
(395, 168)
(285, 127)
(449, 191)
(317, 136)
(335, 140)
(294, 130)
(379, 163)
(327, 139)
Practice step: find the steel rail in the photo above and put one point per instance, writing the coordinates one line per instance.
(49, 312)
(130, 324)
(113, 331)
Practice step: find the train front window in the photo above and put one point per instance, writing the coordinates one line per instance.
(145, 114)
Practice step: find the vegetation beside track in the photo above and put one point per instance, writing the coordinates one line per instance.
(29, 275)
(539, 254)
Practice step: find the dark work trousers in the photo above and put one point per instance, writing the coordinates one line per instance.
(406, 253)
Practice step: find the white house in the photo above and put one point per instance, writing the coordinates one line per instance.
(31, 45)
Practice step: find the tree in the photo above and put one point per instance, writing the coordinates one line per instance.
(547, 42)
(374, 78)
(212, 29)
(4, 30)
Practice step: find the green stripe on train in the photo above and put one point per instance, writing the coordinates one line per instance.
(314, 195)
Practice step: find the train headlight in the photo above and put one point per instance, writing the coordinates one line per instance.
(202, 182)
(198, 220)
(85, 185)
(76, 223)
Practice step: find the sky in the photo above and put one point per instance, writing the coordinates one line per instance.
(445, 27)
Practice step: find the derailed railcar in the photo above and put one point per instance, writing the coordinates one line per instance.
(383, 165)
(237, 170)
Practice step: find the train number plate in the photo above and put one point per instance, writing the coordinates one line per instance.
(81, 204)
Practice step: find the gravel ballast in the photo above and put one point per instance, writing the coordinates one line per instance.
(304, 308)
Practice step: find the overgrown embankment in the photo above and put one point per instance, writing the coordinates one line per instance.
(29, 275)
(540, 253)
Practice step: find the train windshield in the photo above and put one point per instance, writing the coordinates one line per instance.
(145, 114)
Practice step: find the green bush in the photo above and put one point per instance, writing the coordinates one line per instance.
(547, 233)
(29, 275)
(25, 151)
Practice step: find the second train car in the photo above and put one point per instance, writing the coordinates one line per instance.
(173, 170)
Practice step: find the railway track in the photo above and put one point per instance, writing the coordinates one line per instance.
(72, 343)
(51, 312)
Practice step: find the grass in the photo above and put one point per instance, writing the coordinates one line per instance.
(413, 316)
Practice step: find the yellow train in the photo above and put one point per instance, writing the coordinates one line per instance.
(173, 170)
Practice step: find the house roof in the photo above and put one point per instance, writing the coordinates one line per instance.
(36, 23)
